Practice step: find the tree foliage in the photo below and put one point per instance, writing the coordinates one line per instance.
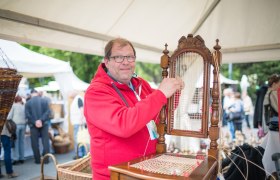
(148, 71)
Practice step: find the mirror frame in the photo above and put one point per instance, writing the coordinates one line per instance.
(195, 45)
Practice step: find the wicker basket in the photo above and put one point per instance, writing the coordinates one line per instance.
(61, 148)
(78, 169)
(60, 145)
(9, 81)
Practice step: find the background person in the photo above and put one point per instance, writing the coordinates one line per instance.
(237, 107)
(6, 144)
(248, 108)
(227, 102)
(17, 114)
(77, 119)
(37, 112)
(271, 141)
(118, 106)
(271, 95)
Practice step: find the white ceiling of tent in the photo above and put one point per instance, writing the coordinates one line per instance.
(248, 30)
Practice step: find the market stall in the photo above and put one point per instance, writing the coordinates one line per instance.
(30, 64)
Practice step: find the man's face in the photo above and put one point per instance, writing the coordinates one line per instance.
(123, 71)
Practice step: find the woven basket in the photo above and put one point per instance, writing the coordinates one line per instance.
(61, 148)
(4, 71)
(9, 81)
(78, 169)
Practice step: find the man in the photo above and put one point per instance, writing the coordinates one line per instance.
(37, 112)
(119, 108)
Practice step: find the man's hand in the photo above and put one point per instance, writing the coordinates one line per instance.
(38, 123)
(169, 86)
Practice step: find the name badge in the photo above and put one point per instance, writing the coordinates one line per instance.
(152, 128)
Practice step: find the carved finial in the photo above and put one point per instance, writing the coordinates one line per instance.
(217, 55)
(165, 51)
(217, 47)
(164, 60)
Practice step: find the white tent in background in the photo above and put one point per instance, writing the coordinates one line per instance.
(223, 80)
(31, 64)
(52, 86)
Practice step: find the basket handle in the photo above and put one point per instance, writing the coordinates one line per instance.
(6, 59)
(42, 164)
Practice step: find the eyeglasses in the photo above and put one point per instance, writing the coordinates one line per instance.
(120, 59)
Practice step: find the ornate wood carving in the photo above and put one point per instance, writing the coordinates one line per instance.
(161, 128)
(214, 128)
(192, 45)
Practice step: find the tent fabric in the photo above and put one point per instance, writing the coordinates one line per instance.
(31, 64)
(222, 80)
(247, 29)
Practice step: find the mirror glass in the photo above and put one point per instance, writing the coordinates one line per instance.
(188, 102)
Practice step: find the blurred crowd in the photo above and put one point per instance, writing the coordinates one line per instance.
(32, 115)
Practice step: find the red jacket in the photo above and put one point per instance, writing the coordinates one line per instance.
(119, 133)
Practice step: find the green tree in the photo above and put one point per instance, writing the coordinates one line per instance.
(148, 71)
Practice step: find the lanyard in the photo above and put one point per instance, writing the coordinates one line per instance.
(132, 88)
(135, 93)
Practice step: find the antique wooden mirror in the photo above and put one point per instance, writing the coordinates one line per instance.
(192, 112)
(188, 113)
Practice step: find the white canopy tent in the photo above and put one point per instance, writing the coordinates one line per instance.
(31, 64)
(248, 30)
(222, 79)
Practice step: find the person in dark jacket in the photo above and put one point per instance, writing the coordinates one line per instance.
(237, 108)
(37, 112)
(258, 112)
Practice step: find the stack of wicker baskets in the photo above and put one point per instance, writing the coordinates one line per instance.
(9, 81)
